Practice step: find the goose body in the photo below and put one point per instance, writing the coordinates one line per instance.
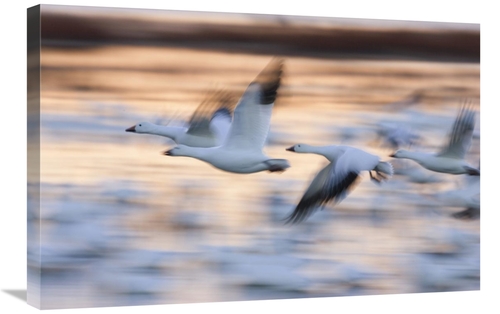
(231, 160)
(241, 151)
(333, 182)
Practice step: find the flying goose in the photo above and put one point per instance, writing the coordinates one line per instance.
(396, 135)
(241, 151)
(335, 180)
(451, 158)
(207, 127)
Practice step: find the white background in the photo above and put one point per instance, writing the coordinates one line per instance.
(13, 154)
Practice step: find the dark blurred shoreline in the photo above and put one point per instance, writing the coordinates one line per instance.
(261, 34)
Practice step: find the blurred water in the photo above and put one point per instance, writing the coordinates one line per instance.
(122, 224)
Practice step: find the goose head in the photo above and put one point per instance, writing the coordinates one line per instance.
(142, 127)
(299, 148)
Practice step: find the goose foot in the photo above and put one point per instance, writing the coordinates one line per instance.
(374, 179)
(276, 168)
(381, 176)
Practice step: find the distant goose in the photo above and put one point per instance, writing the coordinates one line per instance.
(451, 158)
(409, 101)
(396, 135)
(208, 126)
(467, 197)
(241, 151)
(335, 180)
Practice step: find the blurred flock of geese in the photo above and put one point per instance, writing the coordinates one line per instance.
(230, 135)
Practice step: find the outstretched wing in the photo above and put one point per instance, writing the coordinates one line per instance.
(216, 102)
(220, 124)
(326, 186)
(252, 115)
(461, 135)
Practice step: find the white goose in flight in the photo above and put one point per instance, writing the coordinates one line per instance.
(207, 127)
(451, 158)
(335, 180)
(241, 151)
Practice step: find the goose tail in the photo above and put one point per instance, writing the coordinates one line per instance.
(277, 165)
(385, 168)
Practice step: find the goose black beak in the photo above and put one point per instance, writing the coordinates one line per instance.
(131, 129)
(290, 149)
(392, 155)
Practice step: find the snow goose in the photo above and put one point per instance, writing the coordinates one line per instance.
(467, 197)
(451, 158)
(406, 103)
(396, 135)
(207, 127)
(241, 151)
(335, 180)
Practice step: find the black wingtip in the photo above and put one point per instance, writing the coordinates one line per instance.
(296, 217)
(305, 208)
(270, 80)
(468, 214)
(308, 206)
(222, 112)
